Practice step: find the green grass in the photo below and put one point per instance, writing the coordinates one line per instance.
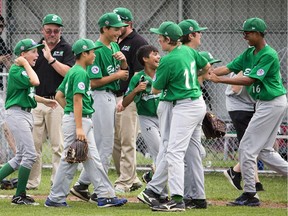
(217, 189)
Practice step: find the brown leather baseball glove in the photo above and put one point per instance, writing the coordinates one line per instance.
(77, 152)
(212, 126)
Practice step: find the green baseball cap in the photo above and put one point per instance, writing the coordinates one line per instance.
(52, 19)
(124, 13)
(209, 57)
(26, 45)
(83, 45)
(254, 24)
(190, 25)
(111, 19)
(168, 29)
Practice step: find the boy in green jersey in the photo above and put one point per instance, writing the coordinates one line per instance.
(105, 72)
(262, 78)
(20, 99)
(74, 94)
(139, 91)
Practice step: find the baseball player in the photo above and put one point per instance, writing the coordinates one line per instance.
(20, 99)
(109, 66)
(177, 77)
(194, 190)
(261, 70)
(139, 91)
(75, 96)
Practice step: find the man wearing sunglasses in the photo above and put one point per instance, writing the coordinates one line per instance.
(53, 63)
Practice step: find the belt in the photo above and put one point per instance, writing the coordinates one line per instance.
(50, 97)
(116, 93)
(83, 115)
(26, 109)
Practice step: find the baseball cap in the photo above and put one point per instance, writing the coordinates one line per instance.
(254, 24)
(26, 45)
(190, 25)
(83, 45)
(124, 13)
(52, 19)
(209, 57)
(169, 29)
(111, 19)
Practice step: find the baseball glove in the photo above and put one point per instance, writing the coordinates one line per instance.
(77, 152)
(9, 184)
(212, 126)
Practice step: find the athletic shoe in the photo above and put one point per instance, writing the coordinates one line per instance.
(195, 203)
(50, 203)
(171, 206)
(234, 178)
(93, 198)
(108, 202)
(136, 186)
(81, 191)
(23, 199)
(147, 177)
(246, 199)
(259, 186)
(148, 197)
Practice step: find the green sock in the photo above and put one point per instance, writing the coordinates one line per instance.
(5, 171)
(177, 198)
(23, 175)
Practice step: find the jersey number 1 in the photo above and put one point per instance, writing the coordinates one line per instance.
(193, 75)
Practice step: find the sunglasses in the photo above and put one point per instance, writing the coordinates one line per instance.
(50, 31)
(246, 33)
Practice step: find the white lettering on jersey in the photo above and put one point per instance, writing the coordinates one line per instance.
(247, 71)
(24, 73)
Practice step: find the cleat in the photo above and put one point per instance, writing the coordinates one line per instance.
(246, 199)
(171, 206)
(234, 178)
(81, 191)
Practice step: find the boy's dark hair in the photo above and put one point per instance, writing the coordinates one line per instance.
(185, 39)
(102, 31)
(172, 42)
(78, 56)
(144, 51)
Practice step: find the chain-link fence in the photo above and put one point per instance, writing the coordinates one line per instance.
(222, 17)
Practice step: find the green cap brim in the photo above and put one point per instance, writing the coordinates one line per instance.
(202, 29)
(120, 25)
(39, 46)
(155, 30)
(215, 61)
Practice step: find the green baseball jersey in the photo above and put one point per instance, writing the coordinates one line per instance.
(264, 67)
(77, 81)
(177, 74)
(104, 65)
(146, 102)
(20, 92)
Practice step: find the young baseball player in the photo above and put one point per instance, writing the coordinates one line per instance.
(176, 76)
(109, 66)
(75, 96)
(20, 99)
(139, 91)
(194, 190)
(262, 78)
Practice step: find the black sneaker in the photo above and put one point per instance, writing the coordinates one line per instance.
(147, 177)
(195, 203)
(171, 206)
(234, 178)
(81, 191)
(93, 198)
(246, 199)
(259, 186)
(136, 186)
(149, 197)
(23, 199)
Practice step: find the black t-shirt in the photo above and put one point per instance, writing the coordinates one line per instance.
(129, 47)
(49, 78)
(3, 51)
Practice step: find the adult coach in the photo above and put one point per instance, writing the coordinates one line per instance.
(53, 63)
(261, 70)
(126, 127)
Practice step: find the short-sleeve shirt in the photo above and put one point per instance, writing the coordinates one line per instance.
(264, 67)
(177, 74)
(104, 65)
(20, 92)
(77, 81)
(129, 47)
(48, 76)
(146, 102)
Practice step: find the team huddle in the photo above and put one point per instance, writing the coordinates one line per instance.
(114, 76)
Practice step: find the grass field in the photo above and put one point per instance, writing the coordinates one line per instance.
(218, 191)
